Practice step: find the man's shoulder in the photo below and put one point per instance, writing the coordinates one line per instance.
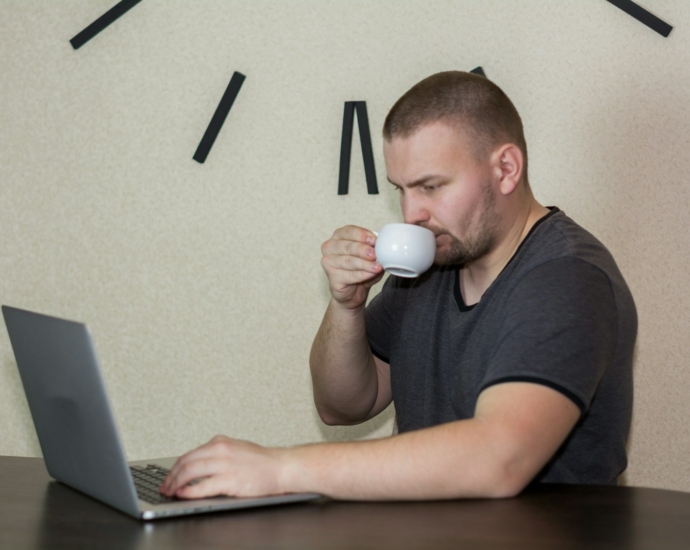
(563, 250)
(560, 237)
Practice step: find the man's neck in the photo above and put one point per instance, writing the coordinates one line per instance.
(477, 277)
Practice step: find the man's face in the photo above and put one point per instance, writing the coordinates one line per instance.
(445, 188)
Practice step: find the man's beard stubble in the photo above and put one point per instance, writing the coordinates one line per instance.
(475, 245)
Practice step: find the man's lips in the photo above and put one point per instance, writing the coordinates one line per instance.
(437, 232)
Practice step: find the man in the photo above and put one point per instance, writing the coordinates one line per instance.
(509, 362)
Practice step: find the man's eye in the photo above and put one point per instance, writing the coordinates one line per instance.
(430, 188)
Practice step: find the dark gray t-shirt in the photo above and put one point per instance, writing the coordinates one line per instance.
(559, 314)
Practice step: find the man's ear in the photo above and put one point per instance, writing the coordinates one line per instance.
(508, 165)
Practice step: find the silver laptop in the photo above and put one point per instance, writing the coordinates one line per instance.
(76, 428)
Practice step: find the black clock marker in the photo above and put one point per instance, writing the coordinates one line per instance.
(219, 117)
(643, 16)
(346, 147)
(367, 151)
(102, 22)
(479, 71)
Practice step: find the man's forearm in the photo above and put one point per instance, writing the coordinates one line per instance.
(453, 460)
(517, 428)
(342, 367)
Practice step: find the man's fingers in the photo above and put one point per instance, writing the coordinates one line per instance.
(354, 233)
(331, 264)
(218, 446)
(342, 247)
(349, 260)
(236, 468)
(356, 249)
(209, 487)
(192, 470)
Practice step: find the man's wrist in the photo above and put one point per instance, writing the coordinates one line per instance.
(347, 310)
(295, 476)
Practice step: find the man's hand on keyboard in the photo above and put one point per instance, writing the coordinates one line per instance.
(225, 466)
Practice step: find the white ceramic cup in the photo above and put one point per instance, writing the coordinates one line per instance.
(405, 250)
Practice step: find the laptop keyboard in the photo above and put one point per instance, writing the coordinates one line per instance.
(148, 480)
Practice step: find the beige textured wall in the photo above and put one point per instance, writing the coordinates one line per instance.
(202, 283)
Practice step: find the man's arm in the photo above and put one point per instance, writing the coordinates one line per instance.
(350, 384)
(517, 428)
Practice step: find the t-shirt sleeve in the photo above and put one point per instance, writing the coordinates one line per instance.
(559, 330)
(383, 318)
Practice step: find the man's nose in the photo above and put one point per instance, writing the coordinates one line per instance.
(414, 211)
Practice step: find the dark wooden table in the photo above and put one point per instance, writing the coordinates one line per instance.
(36, 512)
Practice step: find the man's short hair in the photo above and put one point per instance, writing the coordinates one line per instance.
(468, 101)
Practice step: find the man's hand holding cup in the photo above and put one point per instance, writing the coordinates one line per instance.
(354, 258)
